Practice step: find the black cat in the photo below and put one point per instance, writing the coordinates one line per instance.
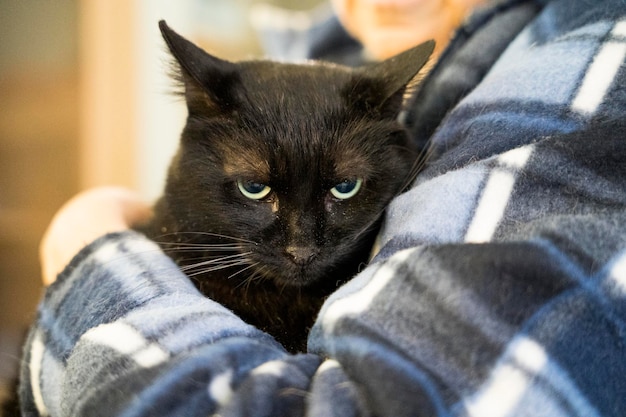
(283, 172)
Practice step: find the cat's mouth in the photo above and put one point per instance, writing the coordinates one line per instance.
(295, 267)
(295, 274)
(303, 265)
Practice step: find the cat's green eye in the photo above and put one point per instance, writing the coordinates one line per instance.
(346, 189)
(253, 190)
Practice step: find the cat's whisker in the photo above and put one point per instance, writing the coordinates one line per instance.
(243, 270)
(209, 255)
(199, 250)
(427, 152)
(214, 264)
(417, 166)
(420, 162)
(239, 257)
(202, 261)
(247, 281)
(201, 245)
(206, 260)
(211, 234)
(259, 274)
(217, 268)
(423, 158)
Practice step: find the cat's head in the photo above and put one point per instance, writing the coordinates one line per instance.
(294, 163)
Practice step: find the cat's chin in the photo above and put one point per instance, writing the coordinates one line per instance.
(295, 277)
(288, 274)
(320, 275)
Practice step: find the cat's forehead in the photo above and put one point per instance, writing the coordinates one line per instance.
(282, 70)
(289, 156)
(295, 121)
(311, 82)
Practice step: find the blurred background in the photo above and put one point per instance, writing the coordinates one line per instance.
(84, 102)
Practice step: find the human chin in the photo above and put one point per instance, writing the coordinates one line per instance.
(399, 3)
(383, 43)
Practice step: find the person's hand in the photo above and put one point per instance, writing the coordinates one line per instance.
(83, 219)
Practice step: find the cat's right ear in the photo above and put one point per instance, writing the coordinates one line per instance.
(208, 81)
(382, 88)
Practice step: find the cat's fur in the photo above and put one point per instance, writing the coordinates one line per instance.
(301, 130)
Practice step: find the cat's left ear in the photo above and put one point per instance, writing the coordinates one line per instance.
(209, 82)
(381, 88)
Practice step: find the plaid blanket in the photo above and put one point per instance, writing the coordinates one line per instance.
(499, 289)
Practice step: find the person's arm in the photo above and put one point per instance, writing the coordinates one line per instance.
(501, 285)
(529, 322)
(121, 331)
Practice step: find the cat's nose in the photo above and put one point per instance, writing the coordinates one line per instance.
(301, 255)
